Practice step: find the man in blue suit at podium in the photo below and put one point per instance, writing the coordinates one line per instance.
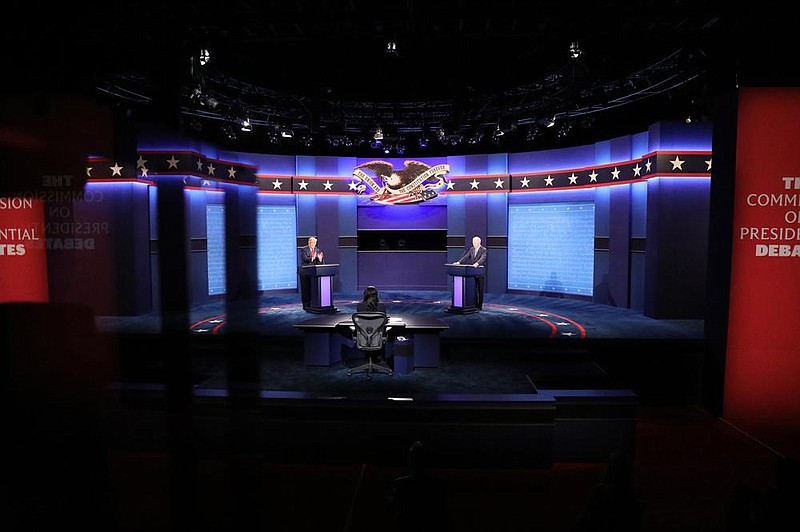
(476, 256)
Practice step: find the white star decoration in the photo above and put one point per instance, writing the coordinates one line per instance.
(638, 169)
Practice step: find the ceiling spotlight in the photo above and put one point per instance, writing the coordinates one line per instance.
(229, 133)
(205, 57)
(246, 125)
(533, 133)
(287, 133)
(378, 134)
(475, 138)
(550, 121)
(498, 132)
(575, 50)
(391, 48)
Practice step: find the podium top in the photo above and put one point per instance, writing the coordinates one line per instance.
(464, 270)
(319, 269)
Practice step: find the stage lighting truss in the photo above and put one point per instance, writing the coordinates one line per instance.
(466, 122)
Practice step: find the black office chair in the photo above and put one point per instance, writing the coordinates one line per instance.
(370, 334)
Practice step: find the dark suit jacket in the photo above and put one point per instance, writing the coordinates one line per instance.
(469, 258)
(305, 257)
(362, 307)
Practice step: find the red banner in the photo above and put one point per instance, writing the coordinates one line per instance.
(763, 350)
(23, 257)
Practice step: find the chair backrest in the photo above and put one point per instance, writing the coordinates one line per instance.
(369, 330)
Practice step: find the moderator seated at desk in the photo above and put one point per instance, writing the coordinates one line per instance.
(322, 338)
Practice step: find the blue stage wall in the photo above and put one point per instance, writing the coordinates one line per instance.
(650, 234)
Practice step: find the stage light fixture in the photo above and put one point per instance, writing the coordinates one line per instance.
(533, 133)
(378, 134)
(287, 133)
(246, 125)
(229, 133)
(575, 50)
(205, 56)
(391, 48)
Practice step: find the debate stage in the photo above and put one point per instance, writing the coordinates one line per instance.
(535, 379)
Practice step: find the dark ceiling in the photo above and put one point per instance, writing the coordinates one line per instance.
(462, 72)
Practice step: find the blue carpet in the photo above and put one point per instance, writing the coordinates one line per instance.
(504, 316)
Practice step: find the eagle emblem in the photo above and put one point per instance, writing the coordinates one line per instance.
(414, 183)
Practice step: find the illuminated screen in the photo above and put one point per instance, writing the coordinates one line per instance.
(551, 247)
(215, 226)
(277, 247)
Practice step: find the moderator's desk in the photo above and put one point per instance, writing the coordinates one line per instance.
(323, 337)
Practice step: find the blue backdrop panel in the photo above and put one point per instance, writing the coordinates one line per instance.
(619, 244)
(215, 222)
(277, 247)
(424, 216)
(348, 251)
(402, 270)
(497, 226)
(551, 248)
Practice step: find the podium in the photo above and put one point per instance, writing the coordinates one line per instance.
(464, 297)
(320, 278)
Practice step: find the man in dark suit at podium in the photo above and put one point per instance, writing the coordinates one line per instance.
(309, 254)
(476, 256)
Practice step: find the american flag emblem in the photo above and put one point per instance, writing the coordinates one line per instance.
(415, 183)
(417, 196)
